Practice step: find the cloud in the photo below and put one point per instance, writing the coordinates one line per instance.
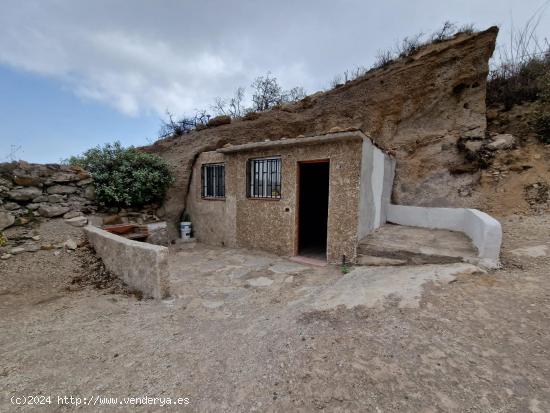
(143, 57)
(131, 70)
(145, 74)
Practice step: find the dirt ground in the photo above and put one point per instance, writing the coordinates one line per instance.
(239, 336)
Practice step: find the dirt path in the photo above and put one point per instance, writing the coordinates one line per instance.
(481, 343)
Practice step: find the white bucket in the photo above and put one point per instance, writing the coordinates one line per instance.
(185, 230)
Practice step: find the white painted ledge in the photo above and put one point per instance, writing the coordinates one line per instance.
(484, 231)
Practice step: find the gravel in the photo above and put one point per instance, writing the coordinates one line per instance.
(481, 343)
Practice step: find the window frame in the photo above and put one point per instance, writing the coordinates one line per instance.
(261, 191)
(204, 181)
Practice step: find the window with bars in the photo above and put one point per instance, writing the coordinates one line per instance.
(213, 181)
(264, 178)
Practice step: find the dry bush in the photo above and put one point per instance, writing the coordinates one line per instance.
(233, 106)
(519, 69)
(336, 82)
(404, 48)
(267, 93)
(409, 45)
(295, 94)
(445, 32)
(383, 58)
(184, 125)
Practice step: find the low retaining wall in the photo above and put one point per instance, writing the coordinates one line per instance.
(484, 231)
(142, 266)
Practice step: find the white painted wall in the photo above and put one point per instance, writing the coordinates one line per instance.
(484, 231)
(377, 172)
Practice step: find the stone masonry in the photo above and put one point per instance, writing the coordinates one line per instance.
(28, 191)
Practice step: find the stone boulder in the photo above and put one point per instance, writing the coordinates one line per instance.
(11, 206)
(72, 214)
(39, 199)
(27, 180)
(17, 250)
(61, 177)
(56, 198)
(473, 145)
(50, 211)
(62, 189)
(6, 183)
(502, 141)
(70, 244)
(77, 221)
(84, 182)
(89, 193)
(6, 220)
(24, 194)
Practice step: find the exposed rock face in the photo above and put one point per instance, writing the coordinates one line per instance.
(418, 108)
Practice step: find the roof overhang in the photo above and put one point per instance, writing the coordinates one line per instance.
(311, 140)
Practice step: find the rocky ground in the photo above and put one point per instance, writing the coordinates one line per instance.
(242, 333)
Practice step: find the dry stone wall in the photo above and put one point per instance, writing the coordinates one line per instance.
(28, 191)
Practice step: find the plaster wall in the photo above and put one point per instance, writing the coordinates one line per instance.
(271, 224)
(484, 231)
(377, 173)
(213, 219)
(142, 266)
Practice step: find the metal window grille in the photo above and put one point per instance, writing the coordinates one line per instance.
(213, 181)
(264, 178)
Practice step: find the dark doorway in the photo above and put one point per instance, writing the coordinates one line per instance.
(313, 208)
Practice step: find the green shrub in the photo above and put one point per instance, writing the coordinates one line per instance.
(125, 176)
(3, 239)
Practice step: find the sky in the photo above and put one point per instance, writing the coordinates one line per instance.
(77, 74)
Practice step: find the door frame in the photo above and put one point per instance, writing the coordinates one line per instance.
(297, 215)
